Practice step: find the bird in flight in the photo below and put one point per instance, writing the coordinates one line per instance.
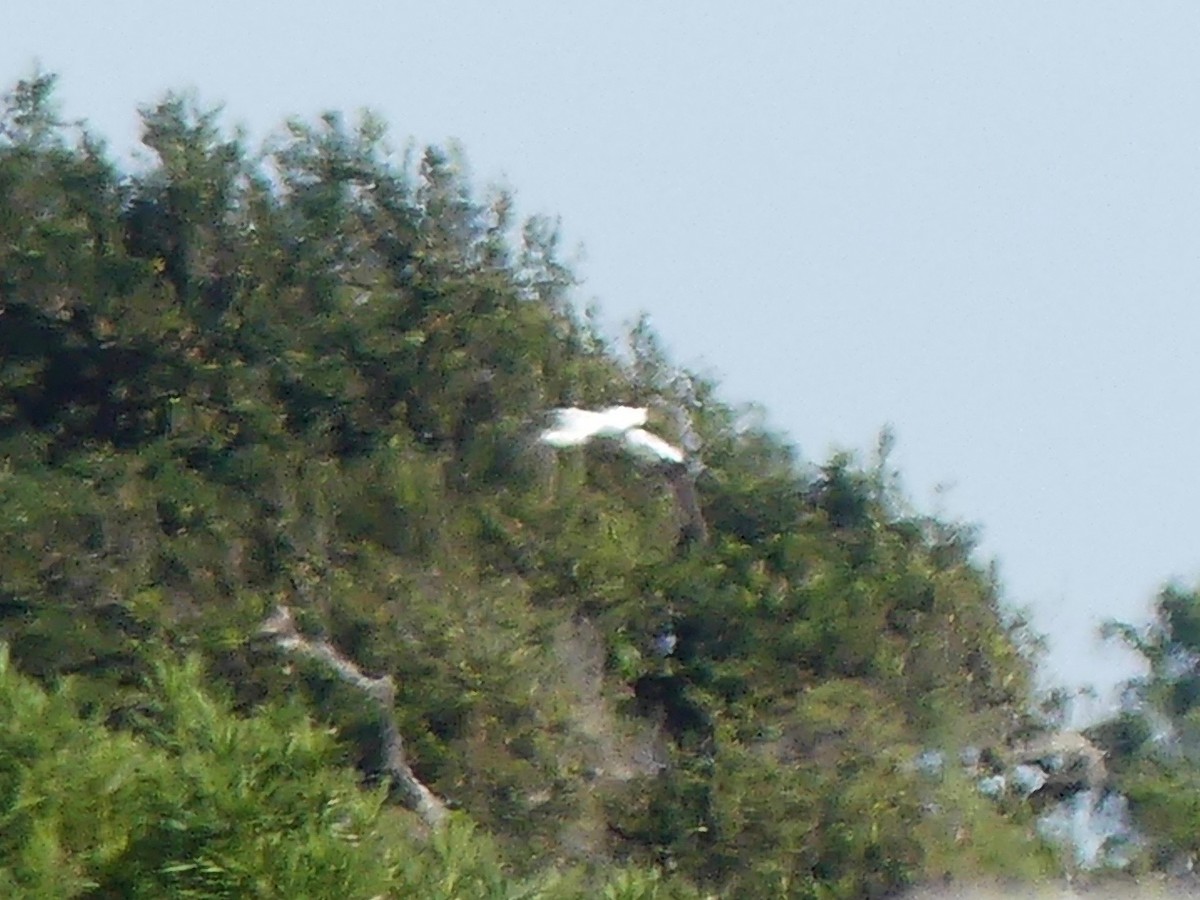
(574, 427)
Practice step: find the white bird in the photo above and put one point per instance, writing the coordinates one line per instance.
(574, 427)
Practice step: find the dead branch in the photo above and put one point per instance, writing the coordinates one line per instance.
(281, 626)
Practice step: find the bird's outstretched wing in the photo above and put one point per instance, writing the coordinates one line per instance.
(650, 447)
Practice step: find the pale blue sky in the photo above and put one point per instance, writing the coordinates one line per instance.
(977, 222)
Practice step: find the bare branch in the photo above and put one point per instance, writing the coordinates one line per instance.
(281, 626)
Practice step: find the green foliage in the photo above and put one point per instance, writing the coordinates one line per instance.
(203, 804)
(315, 376)
(1153, 744)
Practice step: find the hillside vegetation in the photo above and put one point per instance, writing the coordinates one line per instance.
(313, 378)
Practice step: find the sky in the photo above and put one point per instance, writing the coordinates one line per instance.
(976, 223)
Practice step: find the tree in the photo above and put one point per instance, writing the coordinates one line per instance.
(1154, 741)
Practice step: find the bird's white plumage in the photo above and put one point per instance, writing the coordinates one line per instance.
(574, 427)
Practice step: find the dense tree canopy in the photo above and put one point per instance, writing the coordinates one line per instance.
(313, 377)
